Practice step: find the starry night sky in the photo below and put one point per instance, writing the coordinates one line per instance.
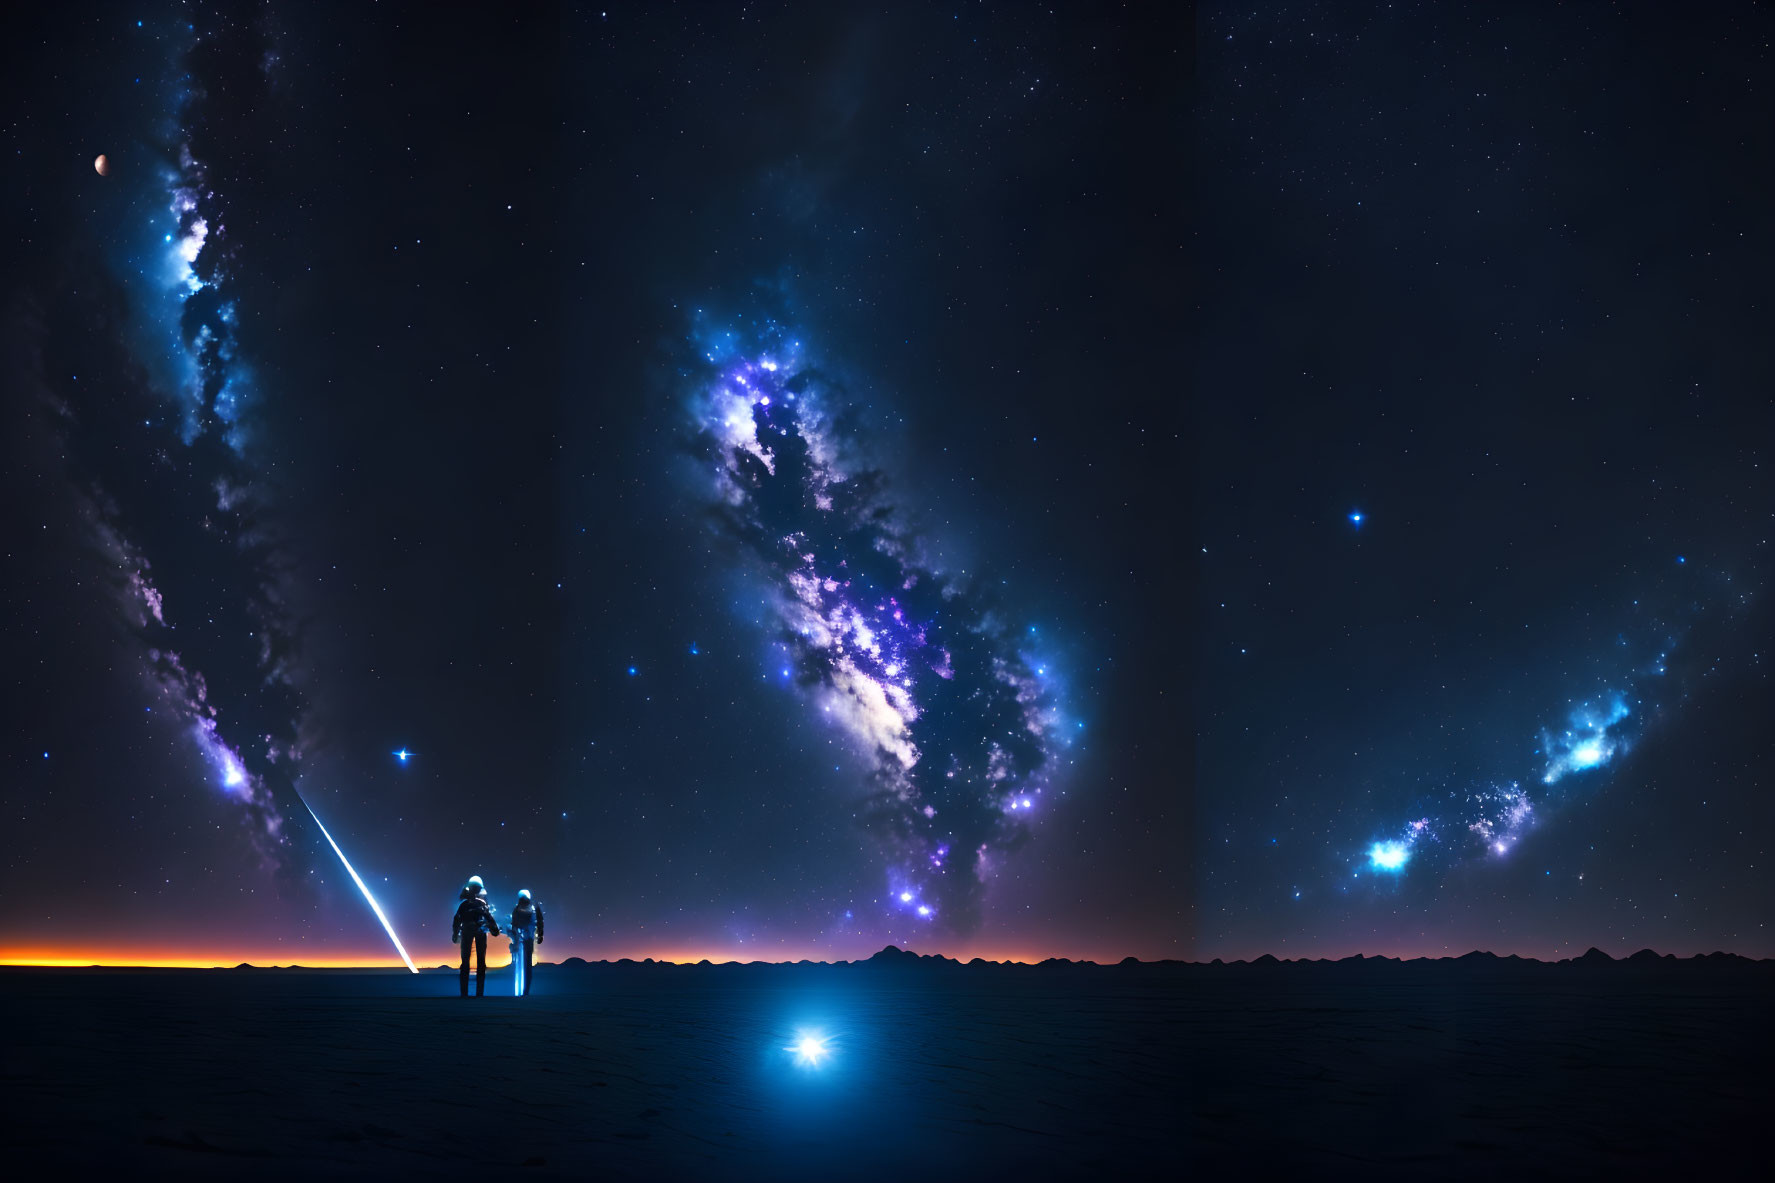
(443, 487)
(1284, 480)
(1494, 278)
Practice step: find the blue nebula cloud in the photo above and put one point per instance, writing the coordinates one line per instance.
(1496, 815)
(174, 501)
(956, 712)
(1589, 739)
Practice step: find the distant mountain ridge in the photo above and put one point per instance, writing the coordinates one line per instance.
(1479, 957)
(892, 957)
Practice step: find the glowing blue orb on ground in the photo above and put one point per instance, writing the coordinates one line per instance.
(809, 1049)
(1388, 856)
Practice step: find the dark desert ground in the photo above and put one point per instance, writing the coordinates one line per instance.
(1466, 1067)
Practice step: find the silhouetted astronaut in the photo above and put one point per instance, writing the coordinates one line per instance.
(474, 920)
(527, 931)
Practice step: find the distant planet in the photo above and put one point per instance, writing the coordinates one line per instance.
(102, 165)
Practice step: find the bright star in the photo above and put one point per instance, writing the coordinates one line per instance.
(1388, 856)
(402, 755)
(1356, 519)
(232, 774)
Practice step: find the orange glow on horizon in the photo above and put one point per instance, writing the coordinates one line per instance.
(62, 960)
(163, 957)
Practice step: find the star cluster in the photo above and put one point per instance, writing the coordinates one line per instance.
(959, 719)
(1492, 817)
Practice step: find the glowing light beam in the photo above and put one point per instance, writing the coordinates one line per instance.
(374, 906)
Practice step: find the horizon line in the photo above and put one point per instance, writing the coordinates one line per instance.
(9, 959)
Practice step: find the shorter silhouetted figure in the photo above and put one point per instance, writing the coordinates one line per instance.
(526, 935)
(474, 920)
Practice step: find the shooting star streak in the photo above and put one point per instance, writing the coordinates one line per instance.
(374, 906)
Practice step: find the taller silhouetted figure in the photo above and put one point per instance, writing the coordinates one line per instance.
(474, 920)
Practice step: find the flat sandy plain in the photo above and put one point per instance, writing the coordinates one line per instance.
(1461, 1068)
